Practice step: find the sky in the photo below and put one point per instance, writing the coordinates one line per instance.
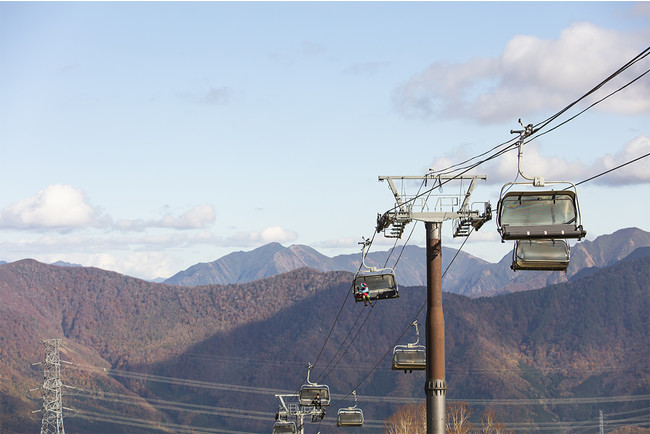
(147, 137)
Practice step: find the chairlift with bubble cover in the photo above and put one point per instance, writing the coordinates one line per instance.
(350, 416)
(283, 426)
(531, 213)
(312, 394)
(381, 282)
(412, 356)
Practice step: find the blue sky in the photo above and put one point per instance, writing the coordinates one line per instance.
(147, 137)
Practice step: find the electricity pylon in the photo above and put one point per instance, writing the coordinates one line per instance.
(392, 223)
(52, 421)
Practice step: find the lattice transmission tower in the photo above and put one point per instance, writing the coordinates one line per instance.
(52, 421)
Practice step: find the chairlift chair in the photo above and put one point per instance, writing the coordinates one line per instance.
(410, 357)
(540, 255)
(538, 212)
(381, 281)
(309, 391)
(381, 284)
(350, 416)
(548, 214)
(538, 219)
(282, 426)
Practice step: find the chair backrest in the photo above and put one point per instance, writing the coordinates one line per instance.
(350, 417)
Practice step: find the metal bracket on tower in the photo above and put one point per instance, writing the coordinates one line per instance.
(436, 387)
(446, 206)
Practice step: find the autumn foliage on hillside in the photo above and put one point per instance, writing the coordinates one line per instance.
(587, 337)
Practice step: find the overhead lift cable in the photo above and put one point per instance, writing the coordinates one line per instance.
(637, 58)
(506, 147)
(539, 126)
(613, 169)
(390, 349)
(337, 315)
(367, 316)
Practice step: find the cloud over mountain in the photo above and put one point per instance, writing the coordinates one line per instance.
(58, 207)
(530, 75)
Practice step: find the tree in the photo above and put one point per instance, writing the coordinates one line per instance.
(458, 414)
(489, 425)
(412, 419)
(408, 419)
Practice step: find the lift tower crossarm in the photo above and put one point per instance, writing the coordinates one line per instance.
(405, 212)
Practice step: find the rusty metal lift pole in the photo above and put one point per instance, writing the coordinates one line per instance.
(435, 387)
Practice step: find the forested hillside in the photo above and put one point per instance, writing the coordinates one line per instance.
(238, 345)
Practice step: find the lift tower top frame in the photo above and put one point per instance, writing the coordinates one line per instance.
(447, 207)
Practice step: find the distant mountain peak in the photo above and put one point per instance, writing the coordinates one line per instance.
(469, 275)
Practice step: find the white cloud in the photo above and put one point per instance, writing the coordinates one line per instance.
(198, 217)
(554, 168)
(58, 207)
(531, 75)
(504, 169)
(149, 264)
(634, 173)
(485, 234)
(63, 208)
(534, 165)
(265, 236)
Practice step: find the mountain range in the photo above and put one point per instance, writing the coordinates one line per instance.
(147, 357)
(469, 276)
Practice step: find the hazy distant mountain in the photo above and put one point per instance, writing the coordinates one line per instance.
(469, 275)
(240, 267)
(272, 259)
(601, 252)
(584, 338)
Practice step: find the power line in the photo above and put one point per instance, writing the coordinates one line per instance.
(180, 381)
(255, 415)
(265, 391)
(122, 398)
(145, 423)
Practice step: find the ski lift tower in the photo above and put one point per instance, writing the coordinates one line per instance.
(392, 223)
(290, 407)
